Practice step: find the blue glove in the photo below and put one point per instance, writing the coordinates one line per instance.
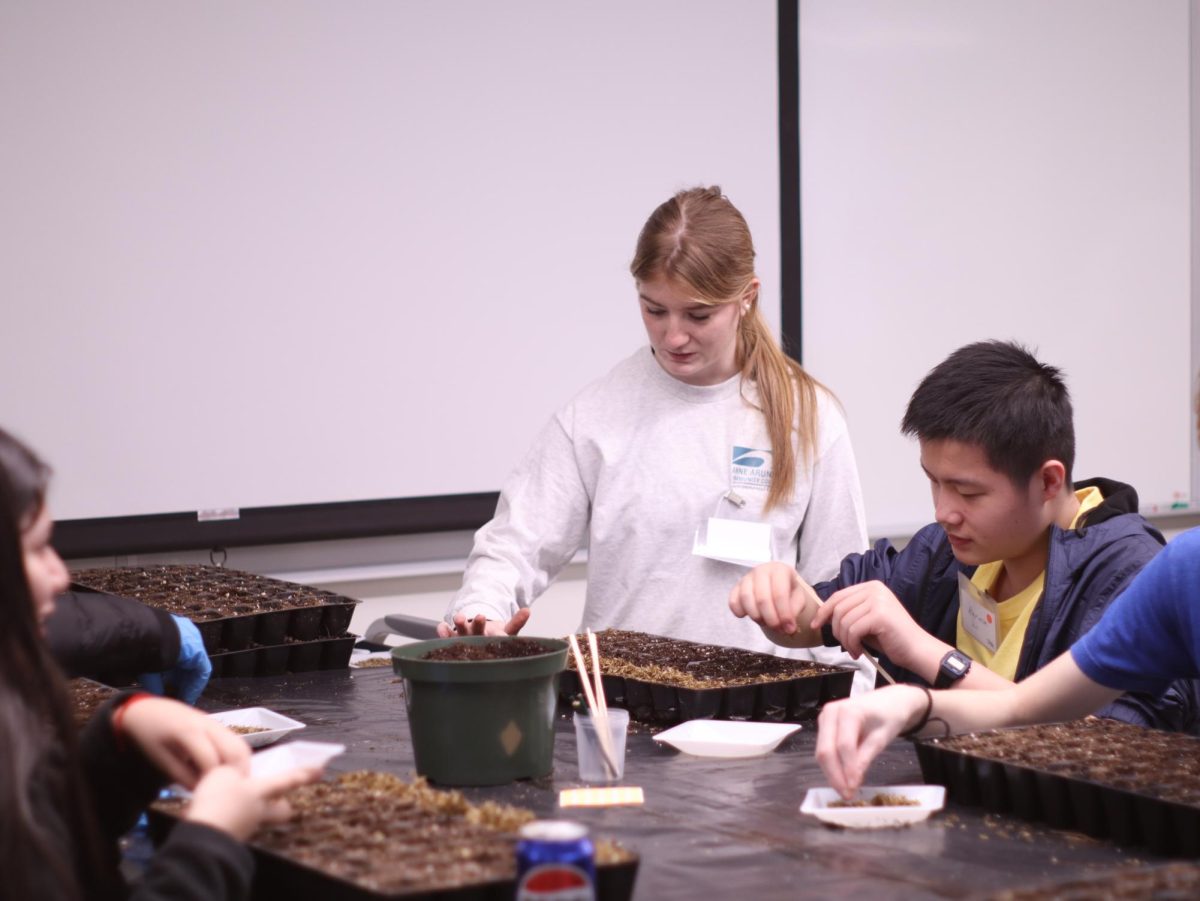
(190, 673)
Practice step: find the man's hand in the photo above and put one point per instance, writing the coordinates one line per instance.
(481, 625)
(851, 733)
(868, 617)
(774, 596)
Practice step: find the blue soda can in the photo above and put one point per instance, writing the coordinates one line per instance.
(555, 860)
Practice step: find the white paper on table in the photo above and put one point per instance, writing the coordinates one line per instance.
(734, 541)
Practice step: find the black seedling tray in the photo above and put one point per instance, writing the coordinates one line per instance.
(280, 878)
(785, 701)
(287, 657)
(1143, 802)
(792, 690)
(233, 610)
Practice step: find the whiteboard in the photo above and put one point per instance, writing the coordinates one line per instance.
(1010, 169)
(307, 251)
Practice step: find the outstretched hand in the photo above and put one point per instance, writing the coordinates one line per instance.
(481, 625)
(783, 604)
(851, 733)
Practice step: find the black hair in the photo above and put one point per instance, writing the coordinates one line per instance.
(39, 758)
(998, 396)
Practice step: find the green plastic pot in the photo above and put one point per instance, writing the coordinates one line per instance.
(481, 722)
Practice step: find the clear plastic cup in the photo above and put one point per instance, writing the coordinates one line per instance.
(587, 742)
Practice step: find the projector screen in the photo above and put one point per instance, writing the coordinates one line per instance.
(301, 253)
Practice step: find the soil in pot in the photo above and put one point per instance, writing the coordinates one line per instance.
(498, 650)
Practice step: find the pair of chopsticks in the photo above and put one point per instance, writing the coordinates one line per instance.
(596, 700)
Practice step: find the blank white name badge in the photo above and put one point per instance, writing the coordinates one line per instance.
(734, 541)
(980, 614)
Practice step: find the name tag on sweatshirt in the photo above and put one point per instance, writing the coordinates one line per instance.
(734, 541)
(980, 614)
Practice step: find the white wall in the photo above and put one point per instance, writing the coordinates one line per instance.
(303, 251)
(420, 573)
(1011, 169)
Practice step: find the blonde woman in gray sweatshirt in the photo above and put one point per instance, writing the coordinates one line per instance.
(709, 439)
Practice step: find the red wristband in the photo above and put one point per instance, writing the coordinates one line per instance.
(119, 714)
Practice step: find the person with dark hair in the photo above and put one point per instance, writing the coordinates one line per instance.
(66, 797)
(1020, 563)
(708, 429)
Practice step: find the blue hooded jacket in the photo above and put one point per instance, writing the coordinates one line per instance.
(1087, 568)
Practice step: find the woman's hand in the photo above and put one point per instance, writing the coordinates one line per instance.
(181, 741)
(851, 733)
(783, 604)
(481, 625)
(230, 800)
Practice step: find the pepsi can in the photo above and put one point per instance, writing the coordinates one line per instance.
(555, 860)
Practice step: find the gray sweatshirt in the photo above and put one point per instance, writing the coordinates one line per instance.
(631, 468)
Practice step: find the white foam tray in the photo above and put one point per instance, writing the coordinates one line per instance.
(276, 724)
(726, 738)
(928, 797)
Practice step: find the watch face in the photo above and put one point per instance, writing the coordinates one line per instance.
(956, 665)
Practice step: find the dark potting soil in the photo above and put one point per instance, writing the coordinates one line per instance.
(390, 836)
(85, 696)
(508, 649)
(883, 799)
(203, 593)
(1159, 764)
(672, 661)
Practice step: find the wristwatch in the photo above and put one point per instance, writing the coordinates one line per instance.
(953, 667)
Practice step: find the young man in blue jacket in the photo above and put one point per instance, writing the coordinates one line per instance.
(1020, 563)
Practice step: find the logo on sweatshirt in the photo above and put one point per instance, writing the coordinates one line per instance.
(750, 468)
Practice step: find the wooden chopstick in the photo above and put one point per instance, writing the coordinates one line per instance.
(879, 668)
(600, 696)
(808, 590)
(601, 704)
(598, 720)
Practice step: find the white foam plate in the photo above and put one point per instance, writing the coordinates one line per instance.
(359, 656)
(928, 797)
(726, 738)
(276, 724)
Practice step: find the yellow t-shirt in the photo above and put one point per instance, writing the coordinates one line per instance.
(1014, 612)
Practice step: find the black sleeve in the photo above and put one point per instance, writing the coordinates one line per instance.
(122, 780)
(197, 863)
(110, 638)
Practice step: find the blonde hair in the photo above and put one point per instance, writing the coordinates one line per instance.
(699, 238)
